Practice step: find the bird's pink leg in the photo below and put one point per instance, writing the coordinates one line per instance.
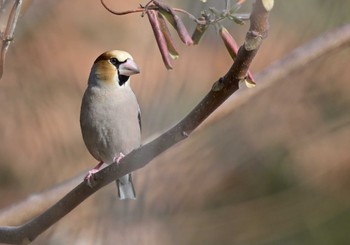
(118, 158)
(90, 174)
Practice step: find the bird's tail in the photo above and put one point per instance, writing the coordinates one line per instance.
(126, 187)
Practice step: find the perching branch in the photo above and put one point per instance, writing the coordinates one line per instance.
(138, 158)
(7, 35)
(36, 203)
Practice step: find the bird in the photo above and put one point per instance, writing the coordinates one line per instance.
(110, 117)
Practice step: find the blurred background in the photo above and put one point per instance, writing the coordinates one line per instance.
(276, 171)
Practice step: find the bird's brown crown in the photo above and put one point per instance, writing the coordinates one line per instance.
(106, 65)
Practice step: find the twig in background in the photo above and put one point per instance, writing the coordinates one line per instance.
(7, 35)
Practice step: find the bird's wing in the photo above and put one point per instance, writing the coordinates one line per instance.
(139, 117)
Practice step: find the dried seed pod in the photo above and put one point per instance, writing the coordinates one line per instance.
(182, 31)
(175, 21)
(229, 42)
(199, 32)
(166, 11)
(162, 45)
(166, 33)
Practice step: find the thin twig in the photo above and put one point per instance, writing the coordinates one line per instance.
(7, 36)
(191, 16)
(150, 7)
(138, 10)
(227, 5)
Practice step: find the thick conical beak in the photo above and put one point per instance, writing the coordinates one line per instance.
(128, 68)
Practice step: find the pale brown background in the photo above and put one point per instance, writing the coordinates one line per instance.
(274, 172)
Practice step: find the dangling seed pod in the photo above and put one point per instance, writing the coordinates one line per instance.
(168, 39)
(162, 45)
(175, 21)
(199, 32)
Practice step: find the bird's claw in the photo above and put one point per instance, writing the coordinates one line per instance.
(89, 178)
(118, 158)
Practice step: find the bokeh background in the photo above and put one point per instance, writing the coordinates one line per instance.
(276, 171)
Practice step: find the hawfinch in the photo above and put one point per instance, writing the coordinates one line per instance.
(110, 115)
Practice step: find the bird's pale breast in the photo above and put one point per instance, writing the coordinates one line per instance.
(109, 122)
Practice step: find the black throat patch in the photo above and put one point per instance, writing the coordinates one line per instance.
(122, 79)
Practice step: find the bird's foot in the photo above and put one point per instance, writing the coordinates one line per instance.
(118, 158)
(89, 178)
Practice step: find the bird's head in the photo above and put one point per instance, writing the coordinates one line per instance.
(113, 67)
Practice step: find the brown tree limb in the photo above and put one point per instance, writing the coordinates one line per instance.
(138, 158)
(36, 203)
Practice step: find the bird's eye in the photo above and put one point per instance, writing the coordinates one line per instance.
(114, 61)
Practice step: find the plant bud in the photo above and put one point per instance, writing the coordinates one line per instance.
(229, 42)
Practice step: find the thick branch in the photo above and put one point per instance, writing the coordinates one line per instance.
(36, 203)
(138, 158)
